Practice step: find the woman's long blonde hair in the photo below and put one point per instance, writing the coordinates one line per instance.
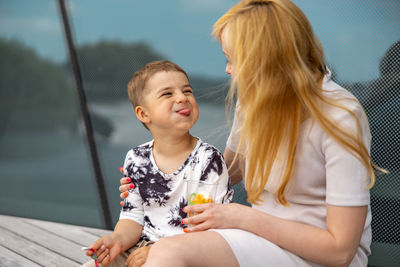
(278, 73)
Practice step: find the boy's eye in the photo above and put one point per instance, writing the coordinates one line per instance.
(188, 91)
(166, 94)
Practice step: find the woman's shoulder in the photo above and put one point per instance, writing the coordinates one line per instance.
(346, 112)
(343, 98)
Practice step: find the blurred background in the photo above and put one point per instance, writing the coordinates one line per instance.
(48, 167)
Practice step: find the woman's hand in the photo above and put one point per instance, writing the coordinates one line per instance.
(214, 216)
(138, 257)
(126, 185)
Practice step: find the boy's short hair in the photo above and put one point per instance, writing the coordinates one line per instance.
(138, 81)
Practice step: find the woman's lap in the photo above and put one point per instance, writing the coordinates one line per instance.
(251, 250)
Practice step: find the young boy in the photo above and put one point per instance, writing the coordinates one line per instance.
(163, 101)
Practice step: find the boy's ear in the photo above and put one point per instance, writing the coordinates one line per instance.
(141, 114)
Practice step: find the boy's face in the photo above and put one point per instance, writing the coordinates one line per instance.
(168, 103)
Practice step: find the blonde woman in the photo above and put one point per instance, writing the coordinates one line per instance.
(302, 144)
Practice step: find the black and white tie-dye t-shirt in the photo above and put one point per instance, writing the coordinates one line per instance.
(157, 200)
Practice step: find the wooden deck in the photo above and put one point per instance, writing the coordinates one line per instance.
(28, 242)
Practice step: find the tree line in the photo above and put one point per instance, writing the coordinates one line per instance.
(37, 93)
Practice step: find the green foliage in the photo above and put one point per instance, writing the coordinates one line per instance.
(34, 93)
(107, 67)
(38, 94)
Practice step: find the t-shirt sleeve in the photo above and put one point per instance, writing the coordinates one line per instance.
(234, 136)
(347, 179)
(216, 171)
(133, 204)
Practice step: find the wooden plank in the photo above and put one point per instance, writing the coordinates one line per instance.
(96, 231)
(33, 251)
(61, 246)
(10, 258)
(73, 233)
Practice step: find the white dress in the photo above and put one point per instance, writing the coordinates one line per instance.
(325, 173)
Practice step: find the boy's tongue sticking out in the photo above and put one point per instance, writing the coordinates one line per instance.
(184, 111)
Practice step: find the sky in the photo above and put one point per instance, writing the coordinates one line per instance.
(355, 34)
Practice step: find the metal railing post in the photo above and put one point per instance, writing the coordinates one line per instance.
(85, 115)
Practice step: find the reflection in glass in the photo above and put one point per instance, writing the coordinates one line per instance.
(44, 166)
(110, 53)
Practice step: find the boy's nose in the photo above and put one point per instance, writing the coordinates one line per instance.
(181, 97)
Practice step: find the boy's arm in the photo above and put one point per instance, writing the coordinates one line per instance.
(125, 235)
(130, 224)
(130, 232)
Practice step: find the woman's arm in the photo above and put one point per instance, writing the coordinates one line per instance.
(334, 246)
(236, 171)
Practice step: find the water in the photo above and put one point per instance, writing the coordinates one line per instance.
(211, 126)
(48, 175)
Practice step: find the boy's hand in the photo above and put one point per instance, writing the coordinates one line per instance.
(106, 248)
(138, 257)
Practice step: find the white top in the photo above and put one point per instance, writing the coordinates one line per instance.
(157, 200)
(325, 173)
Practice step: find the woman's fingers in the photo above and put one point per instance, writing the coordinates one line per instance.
(198, 208)
(123, 195)
(197, 221)
(126, 187)
(213, 216)
(198, 227)
(125, 180)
